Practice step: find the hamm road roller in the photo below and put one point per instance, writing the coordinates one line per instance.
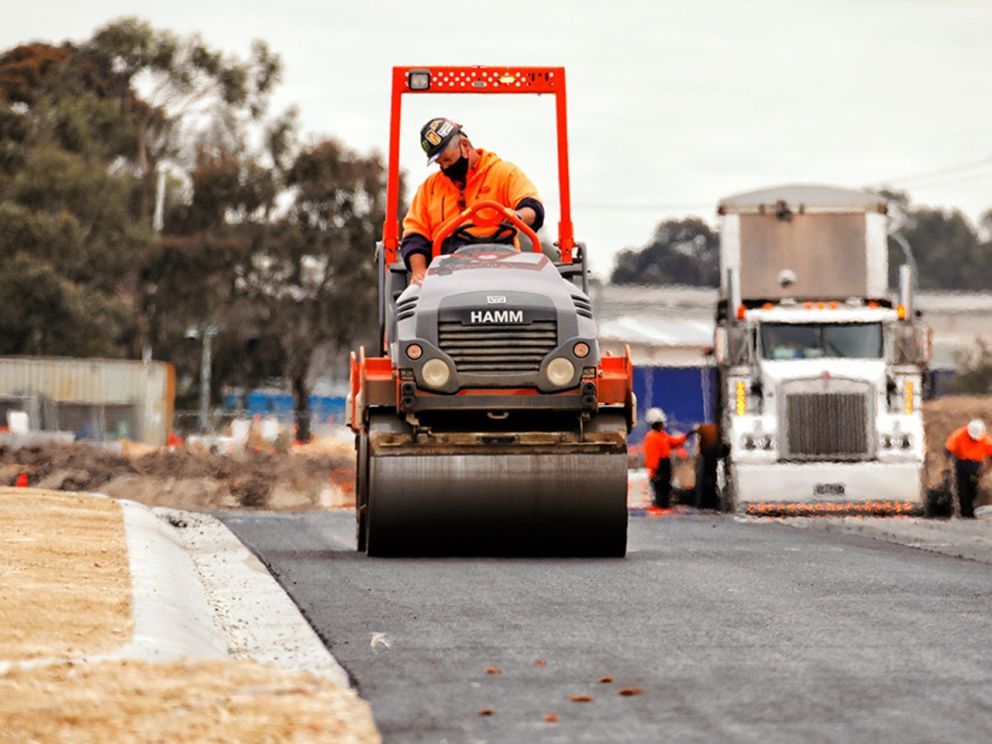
(488, 423)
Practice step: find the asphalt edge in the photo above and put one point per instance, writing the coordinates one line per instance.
(259, 619)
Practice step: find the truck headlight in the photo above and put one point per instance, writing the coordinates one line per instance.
(435, 373)
(560, 371)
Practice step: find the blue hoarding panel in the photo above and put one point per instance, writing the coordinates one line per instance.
(686, 394)
(256, 403)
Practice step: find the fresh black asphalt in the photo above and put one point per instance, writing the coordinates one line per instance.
(731, 630)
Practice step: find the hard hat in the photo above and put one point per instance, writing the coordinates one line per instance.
(655, 416)
(976, 429)
(436, 135)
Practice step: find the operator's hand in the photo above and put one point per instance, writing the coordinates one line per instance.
(418, 268)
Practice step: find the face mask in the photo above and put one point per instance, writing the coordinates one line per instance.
(457, 170)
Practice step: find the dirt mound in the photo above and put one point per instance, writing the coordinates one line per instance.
(189, 479)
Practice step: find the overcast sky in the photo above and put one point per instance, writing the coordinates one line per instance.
(672, 105)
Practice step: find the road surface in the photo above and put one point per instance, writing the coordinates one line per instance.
(730, 629)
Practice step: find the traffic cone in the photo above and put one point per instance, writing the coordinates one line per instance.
(22, 480)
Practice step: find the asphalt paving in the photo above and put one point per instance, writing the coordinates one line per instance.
(718, 628)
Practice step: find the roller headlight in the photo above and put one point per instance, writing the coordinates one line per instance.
(435, 373)
(419, 79)
(560, 371)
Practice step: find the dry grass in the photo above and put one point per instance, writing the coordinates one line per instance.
(188, 701)
(66, 588)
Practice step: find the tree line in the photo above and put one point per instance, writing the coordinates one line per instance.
(147, 192)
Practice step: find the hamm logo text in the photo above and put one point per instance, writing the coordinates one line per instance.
(496, 316)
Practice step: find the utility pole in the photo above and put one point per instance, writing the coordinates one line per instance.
(205, 332)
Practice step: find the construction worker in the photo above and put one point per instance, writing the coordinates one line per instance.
(969, 446)
(467, 175)
(657, 448)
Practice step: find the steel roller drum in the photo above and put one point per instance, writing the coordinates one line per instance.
(534, 503)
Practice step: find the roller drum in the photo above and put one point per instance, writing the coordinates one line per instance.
(485, 503)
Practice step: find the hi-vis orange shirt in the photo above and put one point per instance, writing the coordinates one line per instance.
(658, 446)
(438, 198)
(964, 447)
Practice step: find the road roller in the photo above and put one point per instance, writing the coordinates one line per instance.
(489, 423)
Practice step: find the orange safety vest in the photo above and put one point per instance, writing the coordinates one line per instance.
(658, 446)
(963, 447)
(438, 199)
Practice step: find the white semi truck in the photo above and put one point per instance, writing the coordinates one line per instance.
(821, 370)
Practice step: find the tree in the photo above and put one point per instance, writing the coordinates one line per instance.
(78, 151)
(310, 275)
(974, 376)
(681, 252)
(948, 251)
(187, 80)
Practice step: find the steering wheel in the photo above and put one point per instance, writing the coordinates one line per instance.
(504, 233)
(459, 224)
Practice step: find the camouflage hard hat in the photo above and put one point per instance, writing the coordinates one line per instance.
(436, 135)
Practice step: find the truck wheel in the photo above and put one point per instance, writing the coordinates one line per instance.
(361, 490)
(938, 504)
(727, 488)
(707, 495)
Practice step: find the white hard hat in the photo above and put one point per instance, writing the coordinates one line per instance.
(655, 416)
(976, 429)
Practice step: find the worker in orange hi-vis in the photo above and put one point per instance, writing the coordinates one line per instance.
(467, 175)
(657, 449)
(969, 446)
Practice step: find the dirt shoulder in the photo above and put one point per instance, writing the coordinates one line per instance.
(66, 592)
(64, 573)
(187, 701)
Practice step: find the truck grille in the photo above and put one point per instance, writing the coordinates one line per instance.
(827, 426)
(497, 348)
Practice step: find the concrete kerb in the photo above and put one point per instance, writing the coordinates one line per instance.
(247, 604)
(198, 592)
(172, 617)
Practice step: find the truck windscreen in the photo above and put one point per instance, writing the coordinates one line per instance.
(821, 340)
